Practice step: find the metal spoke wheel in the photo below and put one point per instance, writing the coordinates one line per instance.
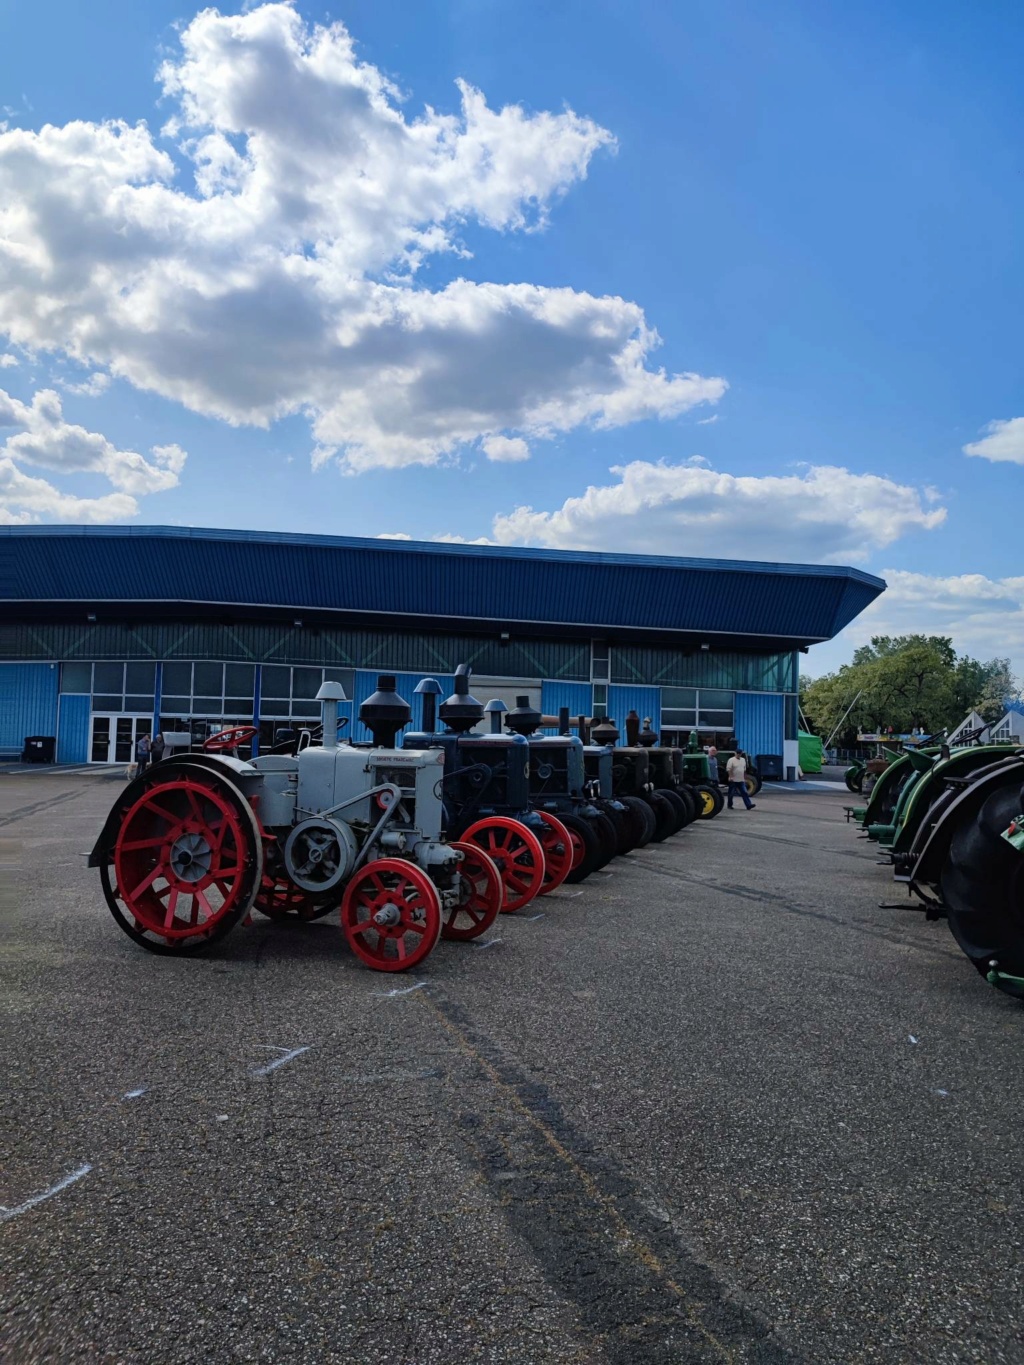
(187, 863)
(516, 853)
(558, 852)
(481, 895)
(279, 898)
(391, 915)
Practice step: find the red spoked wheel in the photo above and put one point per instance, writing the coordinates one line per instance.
(391, 915)
(229, 739)
(556, 841)
(481, 894)
(516, 853)
(186, 865)
(279, 898)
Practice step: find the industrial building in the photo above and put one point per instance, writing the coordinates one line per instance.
(107, 632)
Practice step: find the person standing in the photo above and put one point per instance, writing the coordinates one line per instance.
(736, 771)
(142, 753)
(156, 749)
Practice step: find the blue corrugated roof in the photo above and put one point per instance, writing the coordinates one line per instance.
(410, 581)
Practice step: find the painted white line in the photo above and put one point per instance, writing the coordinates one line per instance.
(489, 943)
(6, 1214)
(531, 918)
(569, 895)
(134, 1094)
(407, 990)
(278, 1061)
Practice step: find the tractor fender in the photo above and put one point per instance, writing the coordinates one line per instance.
(935, 848)
(230, 770)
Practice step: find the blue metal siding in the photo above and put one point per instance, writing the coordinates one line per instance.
(28, 702)
(759, 723)
(405, 683)
(645, 701)
(73, 729)
(492, 584)
(579, 697)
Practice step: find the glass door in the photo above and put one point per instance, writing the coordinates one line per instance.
(114, 737)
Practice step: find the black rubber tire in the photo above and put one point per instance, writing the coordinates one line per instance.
(586, 831)
(716, 798)
(983, 888)
(686, 796)
(644, 823)
(609, 838)
(678, 805)
(854, 781)
(624, 827)
(664, 815)
(753, 781)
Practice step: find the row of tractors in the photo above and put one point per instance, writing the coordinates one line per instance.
(414, 837)
(951, 824)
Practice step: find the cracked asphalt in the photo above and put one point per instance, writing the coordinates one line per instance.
(719, 1107)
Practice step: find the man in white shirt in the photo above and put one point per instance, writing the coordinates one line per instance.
(736, 771)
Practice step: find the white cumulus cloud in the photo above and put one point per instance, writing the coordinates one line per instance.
(1004, 442)
(41, 436)
(278, 274)
(505, 448)
(824, 514)
(7, 361)
(983, 616)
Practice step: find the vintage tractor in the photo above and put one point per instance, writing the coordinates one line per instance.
(600, 758)
(970, 865)
(486, 793)
(684, 774)
(558, 787)
(633, 783)
(189, 846)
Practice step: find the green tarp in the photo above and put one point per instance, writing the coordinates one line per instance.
(810, 752)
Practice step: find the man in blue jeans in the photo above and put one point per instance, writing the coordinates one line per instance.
(736, 771)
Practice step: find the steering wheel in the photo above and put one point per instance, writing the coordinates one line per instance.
(229, 739)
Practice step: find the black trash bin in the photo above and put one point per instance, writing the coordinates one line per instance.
(39, 749)
(769, 766)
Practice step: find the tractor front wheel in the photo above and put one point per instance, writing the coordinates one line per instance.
(558, 852)
(391, 915)
(516, 853)
(481, 894)
(586, 847)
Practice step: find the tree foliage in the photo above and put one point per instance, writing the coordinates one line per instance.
(906, 682)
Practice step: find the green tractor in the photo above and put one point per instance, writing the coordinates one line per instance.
(969, 864)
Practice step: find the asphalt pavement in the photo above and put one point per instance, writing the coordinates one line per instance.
(714, 1104)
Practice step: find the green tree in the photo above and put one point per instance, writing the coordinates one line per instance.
(906, 682)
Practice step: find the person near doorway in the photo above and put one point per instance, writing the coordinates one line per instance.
(143, 750)
(156, 748)
(736, 771)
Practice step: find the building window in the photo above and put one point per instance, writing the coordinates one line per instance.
(600, 701)
(600, 661)
(703, 709)
(112, 687)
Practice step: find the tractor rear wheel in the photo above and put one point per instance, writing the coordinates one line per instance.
(391, 915)
(187, 862)
(854, 780)
(752, 781)
(664, 816)
(709, 801)
(516, 853)
(644, 823)
(983, 889)
(481, 894)
(608, 838)
(558, 852)
(678, 806)
(279, 898)
(586, 847)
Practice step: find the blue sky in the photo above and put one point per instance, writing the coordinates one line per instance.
(813, 206)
